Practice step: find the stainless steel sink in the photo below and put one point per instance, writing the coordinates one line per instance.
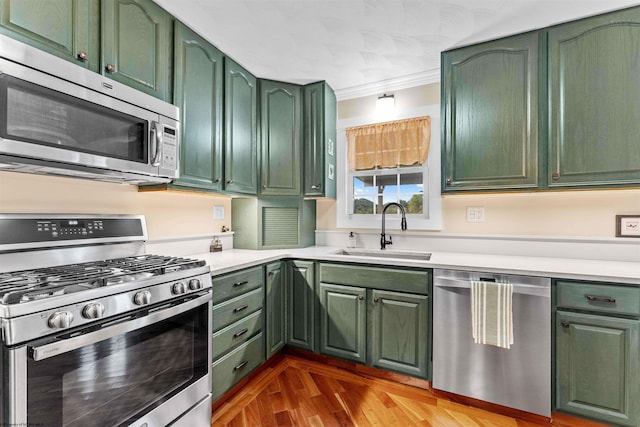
(377, 253)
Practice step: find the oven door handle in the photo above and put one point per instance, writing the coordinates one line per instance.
(64, 346)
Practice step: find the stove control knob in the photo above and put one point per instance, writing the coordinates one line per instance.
(178, 288)
(195, 284)
(93, 310)
(60, 320)
(142, 298)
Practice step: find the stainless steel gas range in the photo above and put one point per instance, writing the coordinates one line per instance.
(97, 332)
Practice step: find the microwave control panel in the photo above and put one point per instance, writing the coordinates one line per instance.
(169, 148)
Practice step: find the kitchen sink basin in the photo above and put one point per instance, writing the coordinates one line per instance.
(377, 253)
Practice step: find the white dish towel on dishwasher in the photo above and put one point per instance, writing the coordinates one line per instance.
(491, 313)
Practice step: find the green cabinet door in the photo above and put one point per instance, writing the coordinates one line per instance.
(65, 28)
(136, 45)
(301, 304)
(319, 142)
(240, 139)
(281, 128)
(490, 115)
(597, 360)
(198, 70)
(343, 315)
(399, 338)
(594, 101)
(275, 307)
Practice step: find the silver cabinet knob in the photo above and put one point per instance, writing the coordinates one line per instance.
(93, 310)
(142, 298)
(110, 68)
(230, 181)
(83, 56)
(60, 320)
(315, 187)
(195, 284)
(178, 288)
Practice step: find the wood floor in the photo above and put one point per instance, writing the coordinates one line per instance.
(299, 392)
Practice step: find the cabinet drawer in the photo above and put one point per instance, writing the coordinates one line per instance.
(235, 309)
(234, 284)
(235, 334)
(388, 279)
(236, 365)
(598, 297)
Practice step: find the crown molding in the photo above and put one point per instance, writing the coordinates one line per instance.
(388, 85)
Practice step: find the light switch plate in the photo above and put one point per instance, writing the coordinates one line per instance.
(218, 212)
(475, 214)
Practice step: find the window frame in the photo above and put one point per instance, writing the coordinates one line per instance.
(431, 219)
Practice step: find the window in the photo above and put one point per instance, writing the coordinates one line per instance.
(403, 175)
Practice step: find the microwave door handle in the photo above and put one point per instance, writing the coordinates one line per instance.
(156, 142)
(55, 348)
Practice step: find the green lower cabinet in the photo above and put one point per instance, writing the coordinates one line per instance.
(385, 329)
(400, 332)
(343, 315)
(301, 304)
(597, 367)
(275, 303)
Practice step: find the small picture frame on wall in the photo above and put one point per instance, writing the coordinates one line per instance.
(628, 225)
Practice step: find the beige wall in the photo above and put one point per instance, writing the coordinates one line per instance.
(584, 213)
(168, 214)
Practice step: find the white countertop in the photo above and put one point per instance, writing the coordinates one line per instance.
(608, 271)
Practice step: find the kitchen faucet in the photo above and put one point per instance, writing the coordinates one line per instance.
(403, 224)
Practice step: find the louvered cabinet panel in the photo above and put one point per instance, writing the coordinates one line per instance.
(273, 222)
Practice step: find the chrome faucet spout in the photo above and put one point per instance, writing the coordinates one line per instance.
(403, 224)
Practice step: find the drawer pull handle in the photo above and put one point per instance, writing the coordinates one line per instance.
(564, 324)
(360, 297)
(240, 366)
(376, 299)
(238, 284)
(240, 333)
(599, 298)
(239, 309)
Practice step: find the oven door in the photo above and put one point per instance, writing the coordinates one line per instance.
(144, 370)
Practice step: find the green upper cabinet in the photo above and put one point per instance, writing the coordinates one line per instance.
(136, 45)
(241, 143)
(594, 101)
(65, 28)
(281, 130)
(490, 115)
(126, 40)
(319, 142)
(198, 70)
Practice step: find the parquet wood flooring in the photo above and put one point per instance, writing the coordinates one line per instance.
(299, 392)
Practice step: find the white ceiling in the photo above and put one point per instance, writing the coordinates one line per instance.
(364, 47)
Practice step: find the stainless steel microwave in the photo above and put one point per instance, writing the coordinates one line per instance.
(61, 119)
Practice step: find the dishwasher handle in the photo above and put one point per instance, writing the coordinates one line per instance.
(525, 289)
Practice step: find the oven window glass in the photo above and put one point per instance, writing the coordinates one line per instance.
(43, 116)
(116, 381)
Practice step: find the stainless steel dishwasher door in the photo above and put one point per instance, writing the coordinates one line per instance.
(519, 377)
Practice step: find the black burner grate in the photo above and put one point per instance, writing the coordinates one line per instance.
(29, 285)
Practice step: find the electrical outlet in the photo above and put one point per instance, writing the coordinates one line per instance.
(475, 214)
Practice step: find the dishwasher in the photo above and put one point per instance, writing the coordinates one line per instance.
(519, 377)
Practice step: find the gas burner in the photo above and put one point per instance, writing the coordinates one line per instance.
(30, 285)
